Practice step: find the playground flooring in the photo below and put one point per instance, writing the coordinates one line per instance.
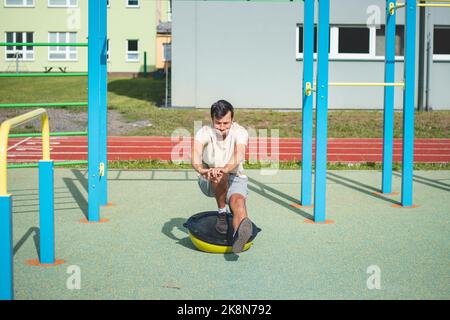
(143, 251)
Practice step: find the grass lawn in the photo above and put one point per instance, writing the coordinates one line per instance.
(138, 99)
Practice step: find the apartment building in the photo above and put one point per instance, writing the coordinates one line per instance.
(132, 32)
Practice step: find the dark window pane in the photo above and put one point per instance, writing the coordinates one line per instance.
(19, 39)
(30, 40)
(132, 45)
(300, 39)
(441, 41)
(9, 38)
(353, 40)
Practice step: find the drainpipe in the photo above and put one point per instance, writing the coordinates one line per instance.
(429, 59)
(421, 97)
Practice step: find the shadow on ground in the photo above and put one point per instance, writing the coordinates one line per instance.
(147, 89)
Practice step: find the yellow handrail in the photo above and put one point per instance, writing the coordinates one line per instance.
(6, 126)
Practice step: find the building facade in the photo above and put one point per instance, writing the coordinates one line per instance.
(250, 53)
(132, 29)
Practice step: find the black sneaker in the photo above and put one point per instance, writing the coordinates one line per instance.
(243, 234)
(221, 224)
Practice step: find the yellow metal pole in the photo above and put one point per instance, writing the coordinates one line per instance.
(6, 126)
(435, 5)
(45, 126)
(4, 131)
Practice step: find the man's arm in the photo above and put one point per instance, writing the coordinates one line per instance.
(196, 158)
(238, 157)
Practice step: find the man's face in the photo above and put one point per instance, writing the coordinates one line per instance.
(222, 125)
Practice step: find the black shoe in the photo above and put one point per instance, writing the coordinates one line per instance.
(243, 234)
(221, 224)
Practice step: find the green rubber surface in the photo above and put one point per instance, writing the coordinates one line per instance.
(143, 251)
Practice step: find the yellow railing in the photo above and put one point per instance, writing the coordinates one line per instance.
(6, 126)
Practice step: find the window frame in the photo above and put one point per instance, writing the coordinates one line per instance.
(66, 49)
(334, 54)
(138, 5)
(440, 57)
(23, 5)
(132, 52)
(108, 51)
(24, 50)
(67, 5)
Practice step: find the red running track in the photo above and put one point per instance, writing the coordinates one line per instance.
(346, 150)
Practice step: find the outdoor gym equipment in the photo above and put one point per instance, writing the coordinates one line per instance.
(321, 87)
(204, 236)
(46, 202)
(97, 146)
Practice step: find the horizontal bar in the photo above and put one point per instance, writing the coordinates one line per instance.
(23, 118)
(43, 104)
(35, 165)
(6, 126)
(435, 5)
(53, 134)
(427, 3)
(43, 74)
(367, 84)
(42, 44)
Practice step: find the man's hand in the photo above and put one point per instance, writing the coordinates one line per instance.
(214, 174)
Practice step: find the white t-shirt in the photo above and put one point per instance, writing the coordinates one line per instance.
(217, 152)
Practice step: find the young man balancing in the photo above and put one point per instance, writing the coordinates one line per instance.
(217, 155)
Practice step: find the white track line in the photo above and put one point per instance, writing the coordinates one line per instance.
(19, 143)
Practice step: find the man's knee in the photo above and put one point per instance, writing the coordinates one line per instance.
(237, 202)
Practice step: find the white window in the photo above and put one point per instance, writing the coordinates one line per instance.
(166, 52)
(107, 50)
(441, 43)
(19, 3)
(299, 42)
(62, 52)
(132, 50)
(63, 3)
(354, 42)
(132, 3)
(19, 52)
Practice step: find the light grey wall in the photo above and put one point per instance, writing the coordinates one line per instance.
(439, 71)
(245, 52)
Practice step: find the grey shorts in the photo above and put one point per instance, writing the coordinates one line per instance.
(236, 184)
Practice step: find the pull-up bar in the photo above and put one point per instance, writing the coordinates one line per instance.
(309, 89)
(429, 3)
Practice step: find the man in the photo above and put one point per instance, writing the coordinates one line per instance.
(218, 155)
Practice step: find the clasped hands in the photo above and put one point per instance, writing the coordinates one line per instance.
(214, 174)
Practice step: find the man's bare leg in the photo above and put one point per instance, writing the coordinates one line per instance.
(239, 209)
(220, 191)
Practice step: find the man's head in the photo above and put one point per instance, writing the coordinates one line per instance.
(222, 114)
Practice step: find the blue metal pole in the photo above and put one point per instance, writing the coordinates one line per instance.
(307, 111)
(103, 103)
(389, 76)
(46, 213)
(320, 187)
(94, 112)
(408, 103)
(6, 249)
